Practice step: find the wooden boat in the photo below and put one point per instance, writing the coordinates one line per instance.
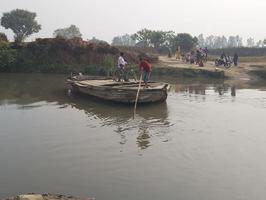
(124, 92)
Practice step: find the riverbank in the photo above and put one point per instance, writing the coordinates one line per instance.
(59, 55)
(62, 56)
(246, 71)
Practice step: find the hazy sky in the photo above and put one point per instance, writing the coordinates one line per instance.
(105, 19)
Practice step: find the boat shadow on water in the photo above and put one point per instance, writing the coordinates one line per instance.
(151, 119)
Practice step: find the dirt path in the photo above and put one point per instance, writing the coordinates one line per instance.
(240, 72)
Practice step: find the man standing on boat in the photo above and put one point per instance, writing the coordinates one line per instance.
(121, 65)
(145, 68)
(121, 61)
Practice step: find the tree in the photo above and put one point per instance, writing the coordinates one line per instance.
(124, 40)
(201, 40)
(232, 42)
(156, 39)
(21, 22)
(217, 42)
(239, 42)
(259, 44)
(164, 40)
(97, 41)
(3, 37)
(209, 41)
(185, 41)
(68, 33)
(117, 41)
(160, 38)
(212, 42)
(224, 42)
(143, 36)
(250, 42)
(264, 42)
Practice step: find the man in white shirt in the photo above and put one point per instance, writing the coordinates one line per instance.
(121, 61)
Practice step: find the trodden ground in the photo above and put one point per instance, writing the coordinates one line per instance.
(241, 72)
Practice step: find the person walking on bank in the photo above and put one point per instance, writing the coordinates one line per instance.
(235, 59)
(178, 53)
(145, 68)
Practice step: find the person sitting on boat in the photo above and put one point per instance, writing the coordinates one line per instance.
(121, 64)
(145, 68)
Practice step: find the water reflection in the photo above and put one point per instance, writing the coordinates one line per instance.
(27, 91)
(233, 91)
(200, 89)
(143, 138)
(150, 119)
(30, 91)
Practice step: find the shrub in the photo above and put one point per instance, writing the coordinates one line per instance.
(7, 56)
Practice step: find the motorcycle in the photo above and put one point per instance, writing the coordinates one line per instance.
(226, 62)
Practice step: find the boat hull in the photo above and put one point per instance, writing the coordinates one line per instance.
(122, 92)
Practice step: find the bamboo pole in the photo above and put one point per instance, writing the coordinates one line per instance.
(137, 97)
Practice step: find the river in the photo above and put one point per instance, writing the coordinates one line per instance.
(208, 141)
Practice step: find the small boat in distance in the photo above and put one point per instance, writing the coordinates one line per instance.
(123, 92)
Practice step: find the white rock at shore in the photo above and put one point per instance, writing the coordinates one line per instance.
(30, 197)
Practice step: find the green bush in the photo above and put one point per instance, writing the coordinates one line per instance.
(57, 55)
(97, 70)
(8, 56)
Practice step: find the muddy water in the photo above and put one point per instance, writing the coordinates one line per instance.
(208, 141)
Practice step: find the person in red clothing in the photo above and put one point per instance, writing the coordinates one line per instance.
(145, 68)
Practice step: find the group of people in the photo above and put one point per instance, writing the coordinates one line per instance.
(196, 57)
(144, 67)
(200, 56)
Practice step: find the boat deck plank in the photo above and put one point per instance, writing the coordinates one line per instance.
(129, 85)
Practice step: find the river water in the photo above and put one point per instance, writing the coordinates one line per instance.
(208, 141)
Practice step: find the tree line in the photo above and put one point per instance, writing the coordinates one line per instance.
(220, 42)
(160, 40)
(23, 23)
(168, 39)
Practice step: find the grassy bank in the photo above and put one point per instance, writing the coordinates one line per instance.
(187, 72)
